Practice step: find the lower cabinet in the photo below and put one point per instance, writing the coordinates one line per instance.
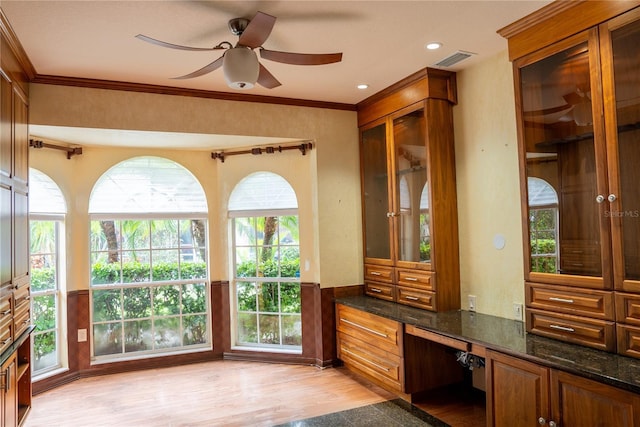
(9, 392)
(379, 349)
(522, 393)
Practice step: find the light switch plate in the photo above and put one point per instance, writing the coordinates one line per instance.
(472, 303)
(517, 311)
(82, 335)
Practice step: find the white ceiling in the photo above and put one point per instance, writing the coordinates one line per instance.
(382, 41)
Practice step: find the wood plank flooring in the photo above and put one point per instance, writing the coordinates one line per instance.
(219, 393)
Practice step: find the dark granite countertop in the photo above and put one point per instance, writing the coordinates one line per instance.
(509, 336)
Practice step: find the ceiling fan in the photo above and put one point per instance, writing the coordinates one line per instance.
(240, 64)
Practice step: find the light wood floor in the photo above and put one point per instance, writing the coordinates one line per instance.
(220, 393)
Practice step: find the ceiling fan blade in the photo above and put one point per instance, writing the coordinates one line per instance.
(204, 70)
(174, 46)
(301, 58)
(266, 79)
(257, 31)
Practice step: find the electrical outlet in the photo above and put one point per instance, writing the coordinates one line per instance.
(472, 303)
(82, 335)
(517, 311)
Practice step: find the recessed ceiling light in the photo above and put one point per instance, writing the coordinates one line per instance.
(433, 45)
(363, 86)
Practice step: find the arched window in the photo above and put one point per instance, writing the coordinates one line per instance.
(543, 225)
(148, 260)
(47, 209)
(263, 209)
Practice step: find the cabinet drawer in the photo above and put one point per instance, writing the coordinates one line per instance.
(21, 297)
(594, 333)
(6, 337)
(380, 290)
(584, 302)
(628, 340)
(377, 273)
(417, 298)
(21, 321)
(628, 308)
(371, 361)
(6, 313)
(416, 279)
(383, 333)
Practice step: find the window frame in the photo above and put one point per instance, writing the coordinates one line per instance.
(235, 341)
(59, 298)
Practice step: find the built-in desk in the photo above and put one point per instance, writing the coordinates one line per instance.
(483, 332)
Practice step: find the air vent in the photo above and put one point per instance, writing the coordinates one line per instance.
(454, 58)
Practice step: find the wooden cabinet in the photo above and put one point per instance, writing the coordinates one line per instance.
(379, 349)
(409, 192)
(522, 393)
(371, 345)
(578, 110)
(15, 316)
(9, 392)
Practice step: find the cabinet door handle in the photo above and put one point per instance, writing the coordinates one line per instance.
(364, 328)
(599, 198)
(562, 328)
(410, 279)
(7, 379)
(542, 421)
(612, 198)
(553, 424)
(357, 356)
(567, 300)
(410, 298)
(376, 290)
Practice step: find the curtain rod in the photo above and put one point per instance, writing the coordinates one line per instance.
(221, 155)
(71, 151)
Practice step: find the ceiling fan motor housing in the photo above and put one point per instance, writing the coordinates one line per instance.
(241, 68)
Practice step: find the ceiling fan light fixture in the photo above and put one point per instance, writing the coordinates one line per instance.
(241, 68)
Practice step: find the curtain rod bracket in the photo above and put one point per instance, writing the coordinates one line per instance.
(71, 151)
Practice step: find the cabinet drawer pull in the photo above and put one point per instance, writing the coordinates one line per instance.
(375, 290)
(562, 328)
(26, 321)
(567, 300)
(4, 313)
(349, 322)
(375, 273)
(357, 356)
(410, 298)
(411, 279)
(577, 264)
(7, 341)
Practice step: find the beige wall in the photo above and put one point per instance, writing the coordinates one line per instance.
(326, 180)
(488, 187)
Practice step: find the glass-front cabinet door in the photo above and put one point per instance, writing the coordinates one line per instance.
(565, 171)
(621, 77)
(375, 190)
(411, 194)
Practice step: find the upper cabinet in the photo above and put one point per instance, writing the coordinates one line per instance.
(409, 192)
(578, 110)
